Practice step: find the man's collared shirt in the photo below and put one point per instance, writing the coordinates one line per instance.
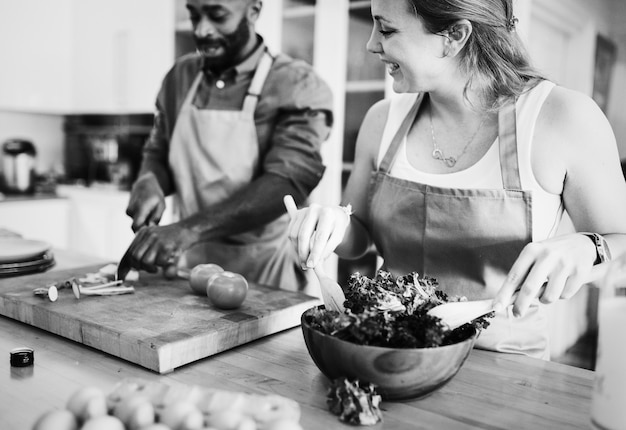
(293, 115)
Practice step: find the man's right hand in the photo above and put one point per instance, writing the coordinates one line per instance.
(147, 202)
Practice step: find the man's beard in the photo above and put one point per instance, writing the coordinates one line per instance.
(231, 46)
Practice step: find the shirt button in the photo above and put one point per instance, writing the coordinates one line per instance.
(220, 84)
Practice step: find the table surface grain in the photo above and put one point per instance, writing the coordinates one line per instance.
(491, 391)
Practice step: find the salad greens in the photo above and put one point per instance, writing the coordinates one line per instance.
(392, 311)
(354, 402)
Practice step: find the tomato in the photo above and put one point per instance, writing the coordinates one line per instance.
(227, 290)
(199, 276)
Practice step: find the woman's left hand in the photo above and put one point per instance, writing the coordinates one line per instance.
(561, 263)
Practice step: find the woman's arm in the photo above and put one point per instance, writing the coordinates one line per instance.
(575, 155)
(317, 230)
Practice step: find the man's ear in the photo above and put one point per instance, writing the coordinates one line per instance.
(254, 10)
(457, 36)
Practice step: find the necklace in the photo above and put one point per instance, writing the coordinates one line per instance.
(438, 154)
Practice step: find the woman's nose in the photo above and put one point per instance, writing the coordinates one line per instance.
(204, 28)
(373, 43)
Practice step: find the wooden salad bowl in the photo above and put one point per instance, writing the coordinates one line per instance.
(398, 373)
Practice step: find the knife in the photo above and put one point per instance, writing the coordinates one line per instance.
(124, 266)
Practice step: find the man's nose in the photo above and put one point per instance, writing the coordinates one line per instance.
(205, 27)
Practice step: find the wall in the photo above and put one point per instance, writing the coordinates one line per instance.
(45, 131)
(616, 112)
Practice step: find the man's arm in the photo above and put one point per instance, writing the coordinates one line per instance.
(256, 205)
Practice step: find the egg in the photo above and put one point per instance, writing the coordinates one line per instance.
(103, 422)
(155, 426)
(87, 403)
(58, 419)
(135, 411)
(226, 419)
(182, 415)
(283, 425)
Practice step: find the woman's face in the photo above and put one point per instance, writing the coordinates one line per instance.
(412, 55)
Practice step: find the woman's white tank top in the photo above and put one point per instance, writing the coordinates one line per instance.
(547, 208)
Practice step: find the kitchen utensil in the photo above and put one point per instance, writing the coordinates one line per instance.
(124, 266)
(17, 249)
(455, 314)
(332, 293)
(162, 326)
(398, 373)
(18, 166)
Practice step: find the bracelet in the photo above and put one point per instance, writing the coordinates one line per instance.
(602, 248)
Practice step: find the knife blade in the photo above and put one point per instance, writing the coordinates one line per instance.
(124, 266)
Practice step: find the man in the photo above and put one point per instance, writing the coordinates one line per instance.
(235, 130)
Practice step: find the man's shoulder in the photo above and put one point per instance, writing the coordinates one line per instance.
(286, 67)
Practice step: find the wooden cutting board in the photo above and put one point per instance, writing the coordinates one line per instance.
(162, 326)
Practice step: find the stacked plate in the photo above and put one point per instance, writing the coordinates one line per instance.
(23, 256)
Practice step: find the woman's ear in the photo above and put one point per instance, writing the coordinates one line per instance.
(457, 36)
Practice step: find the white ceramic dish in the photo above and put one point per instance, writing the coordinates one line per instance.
(17, 249)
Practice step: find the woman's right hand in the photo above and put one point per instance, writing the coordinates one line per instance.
(316, 231)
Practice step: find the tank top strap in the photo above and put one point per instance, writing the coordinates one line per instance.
(392, 150)
(507, 136)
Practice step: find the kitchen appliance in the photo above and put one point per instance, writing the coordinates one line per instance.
(105, 149)
(18, 166)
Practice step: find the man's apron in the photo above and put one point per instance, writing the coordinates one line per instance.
(214, 154)
(467, 239)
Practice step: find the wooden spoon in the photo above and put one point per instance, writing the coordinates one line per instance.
(332, 293)
(455, 314)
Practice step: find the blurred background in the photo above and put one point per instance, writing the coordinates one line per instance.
(79, 79)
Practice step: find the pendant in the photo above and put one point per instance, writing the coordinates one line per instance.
(438, 155)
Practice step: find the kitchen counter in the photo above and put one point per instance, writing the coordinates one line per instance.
(495, 391)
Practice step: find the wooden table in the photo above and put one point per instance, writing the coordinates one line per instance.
(491, 391)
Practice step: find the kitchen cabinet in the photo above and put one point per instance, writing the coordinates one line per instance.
(98, 222)
(37, 218)
(84, 56)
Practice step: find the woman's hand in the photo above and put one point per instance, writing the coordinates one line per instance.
(561, 263)
(316, 231)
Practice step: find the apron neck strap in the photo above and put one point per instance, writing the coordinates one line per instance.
(507, 135)
(258, 80)
(390, 155)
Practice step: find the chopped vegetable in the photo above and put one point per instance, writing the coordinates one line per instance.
(392, 311)
(354, 402)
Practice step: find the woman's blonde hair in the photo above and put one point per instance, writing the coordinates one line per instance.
(494, 57)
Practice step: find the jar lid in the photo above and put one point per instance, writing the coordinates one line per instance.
(19, 146)
(22, 357)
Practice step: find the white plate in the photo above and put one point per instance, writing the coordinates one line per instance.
(14, 249)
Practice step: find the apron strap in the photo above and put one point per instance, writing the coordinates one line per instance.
(260, 75)
(507, 135)
(192, 90)
(390, 155)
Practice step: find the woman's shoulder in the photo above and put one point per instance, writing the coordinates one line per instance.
(567, 109)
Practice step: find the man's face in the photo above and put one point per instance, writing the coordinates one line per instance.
(222, 30)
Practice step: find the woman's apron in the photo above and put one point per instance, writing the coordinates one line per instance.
(213, 155)
(467, 239)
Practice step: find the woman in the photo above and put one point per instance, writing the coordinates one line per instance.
(466, 174)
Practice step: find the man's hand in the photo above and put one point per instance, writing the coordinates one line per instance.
(156, 246)
(147, 202)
